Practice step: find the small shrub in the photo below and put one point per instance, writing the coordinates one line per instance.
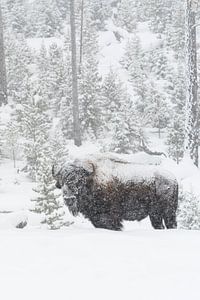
(188, 214)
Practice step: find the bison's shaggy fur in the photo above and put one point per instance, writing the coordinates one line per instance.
(107, 203)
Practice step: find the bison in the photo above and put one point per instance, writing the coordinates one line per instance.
(117, 191)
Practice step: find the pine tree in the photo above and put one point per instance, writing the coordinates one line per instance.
(47, 201)
(90, 93)
(12, 144)
(16, 16)
(127, 15)
(59, 146)
(66, 108)
(133, 55)
(159, 63)
(112, 95)
(90, 82)
(175, 139)
(88, 46)
(175, 88)
(188, 211)
(136, 62)
(56, 78)
(2, 138)
(142, 9)
(63, 7)
(160, 15)
(176, 30)
(43, 77)
(127, 133)
(35, 124)
(100, 11)
(44, 19)
(19, 58)
(121, 123)
(157, 111)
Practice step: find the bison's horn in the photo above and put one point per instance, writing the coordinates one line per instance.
(93, 169)
(89, 167)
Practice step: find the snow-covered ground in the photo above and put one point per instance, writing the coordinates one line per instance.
(81, 262)
(90, 264)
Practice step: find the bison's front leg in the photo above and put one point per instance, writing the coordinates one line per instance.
(156, 220)
(107, 222)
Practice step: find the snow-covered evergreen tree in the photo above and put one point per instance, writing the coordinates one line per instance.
(15, 13)
(112, 96)
(127, 133)
(90, 93)
(127, 15)
(160, 15)
(63, 7)
(35, 125)
(48, 202)
(157, 112)
(44, 19)
(159, 63)
(12, 141)
(66, 110)
(19, 58)
(175, 139)
(89, 80)
(2, 138)
(188, 211)
(56, 78)
(133, 56)
(58, 146)
(100, 11)
(176, 29)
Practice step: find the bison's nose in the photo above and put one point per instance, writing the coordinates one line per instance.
(58, 185)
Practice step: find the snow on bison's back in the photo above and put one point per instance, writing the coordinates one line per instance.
(111, 192)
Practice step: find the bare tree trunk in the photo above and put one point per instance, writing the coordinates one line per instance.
(14, 157)
(3, 79)
(192, 112)
(76, 121)
(81, 38)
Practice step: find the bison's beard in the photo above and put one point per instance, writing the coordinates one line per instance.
(71, 203)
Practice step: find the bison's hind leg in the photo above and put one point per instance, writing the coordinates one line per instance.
(156, 221)
(107, 222)
(170, 220)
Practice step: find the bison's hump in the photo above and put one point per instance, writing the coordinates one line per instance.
(107, 168)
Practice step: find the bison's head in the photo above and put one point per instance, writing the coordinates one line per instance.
(74, 180)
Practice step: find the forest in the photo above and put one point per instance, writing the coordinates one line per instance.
(117, 76)
(94, 88)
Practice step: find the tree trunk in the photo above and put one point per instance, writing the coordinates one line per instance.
(192, 113)
(14, 157)
(81, 38)
(3, 79)
(76, 121)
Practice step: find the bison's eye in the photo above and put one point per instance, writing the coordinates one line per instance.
(71, 178)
